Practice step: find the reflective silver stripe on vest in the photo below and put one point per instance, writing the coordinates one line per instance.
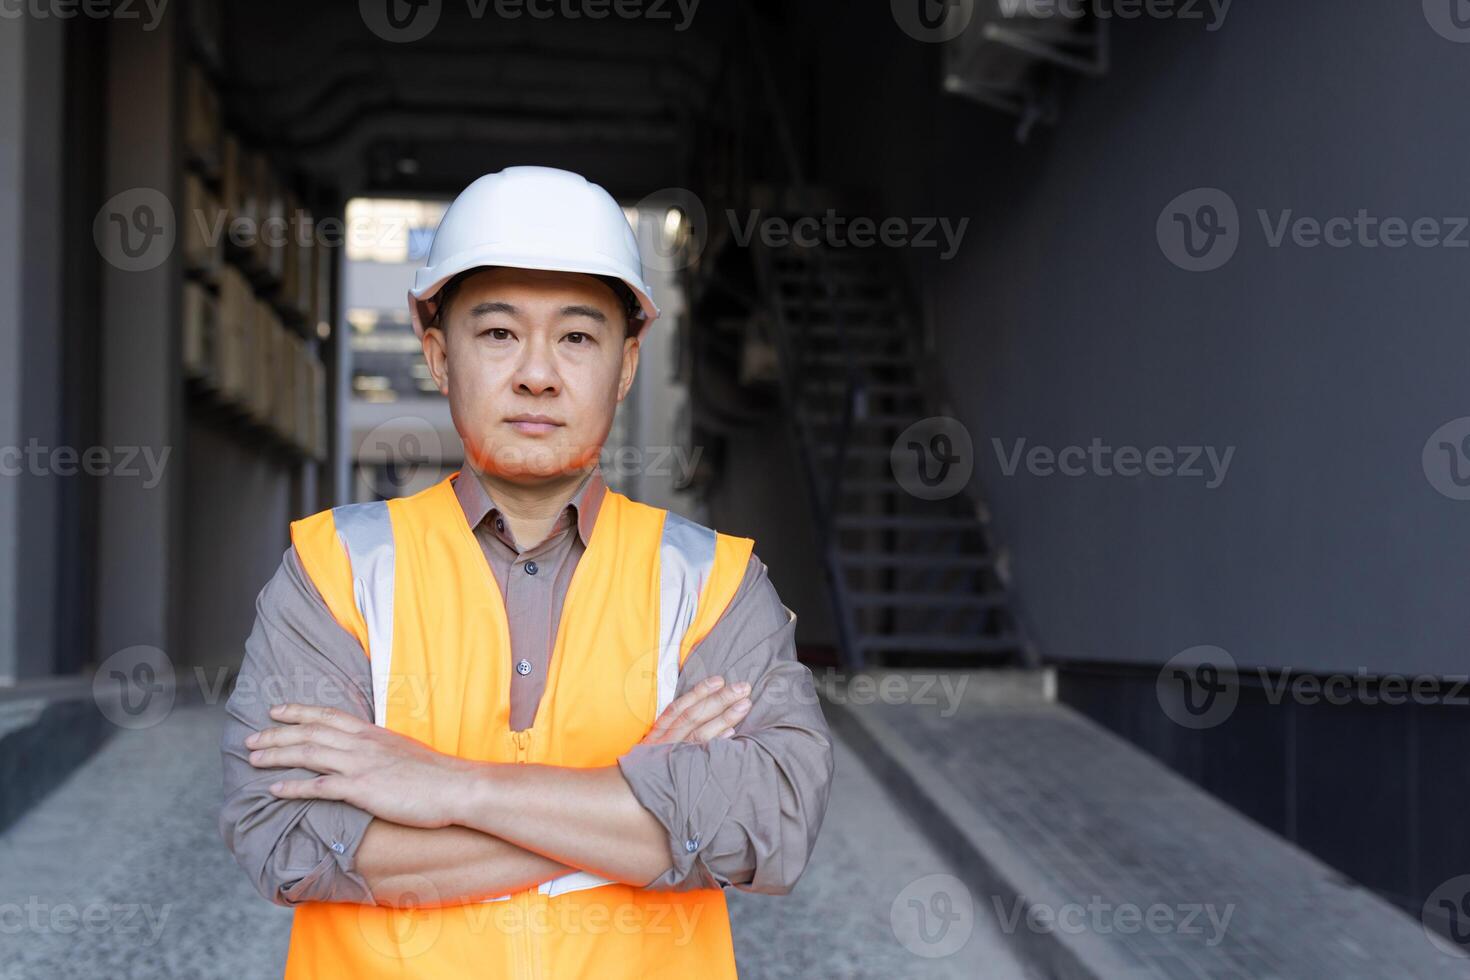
(686, 558)
(367, 532)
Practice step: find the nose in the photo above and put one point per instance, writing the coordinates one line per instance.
(536, 370)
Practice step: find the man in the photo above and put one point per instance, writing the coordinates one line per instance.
(455, 755)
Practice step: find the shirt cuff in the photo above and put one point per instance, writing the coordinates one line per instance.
(339, 827)
(673, 782)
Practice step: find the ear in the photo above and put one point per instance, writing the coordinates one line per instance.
(630, 366)
(436, 354)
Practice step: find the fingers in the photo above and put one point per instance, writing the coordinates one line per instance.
(297, 714)
(269, 738)
(316, 788)
(681, 704)
(304, 755)
(708, 709)
(723, 725)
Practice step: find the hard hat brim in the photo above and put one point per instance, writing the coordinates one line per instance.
(428, 281)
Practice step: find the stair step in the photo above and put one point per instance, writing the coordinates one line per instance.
(940, 642)
(968, 600)
(856, 451)
(905, 522)
(886, 389)
(872, 486)
(813, 303)
(839, 358)
(873, 420)
(909, 559)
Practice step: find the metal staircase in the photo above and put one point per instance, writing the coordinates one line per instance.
(911, 580)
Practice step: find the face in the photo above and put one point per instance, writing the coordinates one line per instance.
(534, 364)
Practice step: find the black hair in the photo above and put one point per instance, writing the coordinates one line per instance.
(632, 309)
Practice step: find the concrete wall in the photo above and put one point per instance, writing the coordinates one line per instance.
(1328, 369)
(31, 117)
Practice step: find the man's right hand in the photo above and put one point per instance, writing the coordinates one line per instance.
(710, 711)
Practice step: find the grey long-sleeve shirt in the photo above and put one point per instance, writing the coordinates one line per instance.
(743, 811)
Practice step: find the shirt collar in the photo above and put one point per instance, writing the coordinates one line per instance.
(583, 506)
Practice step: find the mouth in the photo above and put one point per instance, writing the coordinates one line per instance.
(533, 425)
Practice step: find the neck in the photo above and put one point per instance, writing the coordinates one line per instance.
(531, 508)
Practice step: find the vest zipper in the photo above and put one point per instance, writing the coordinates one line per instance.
(529, 971)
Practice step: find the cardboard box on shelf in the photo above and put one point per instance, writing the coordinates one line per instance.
(232, 176)
(301, 298)
(201, 121)
(201, 333)
(283, 385)
(291, 258)
(262, 342)
(302, 424)
(318, 428)
(236, 317)
(203, 231)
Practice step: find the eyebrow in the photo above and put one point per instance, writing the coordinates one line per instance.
(500, 306)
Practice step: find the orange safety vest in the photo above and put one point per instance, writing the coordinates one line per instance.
(408, 579)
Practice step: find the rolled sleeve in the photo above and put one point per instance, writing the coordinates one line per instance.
(294, 851)
(743, 811)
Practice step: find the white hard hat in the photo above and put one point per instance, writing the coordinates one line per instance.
(532, 218)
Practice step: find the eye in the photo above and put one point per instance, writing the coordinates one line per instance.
(581, 337)
(496, 333)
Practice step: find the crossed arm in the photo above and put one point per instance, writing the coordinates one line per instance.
(753, 800)
(448, 830)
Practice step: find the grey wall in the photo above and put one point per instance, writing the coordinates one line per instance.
(1062, 320)
(237, 516)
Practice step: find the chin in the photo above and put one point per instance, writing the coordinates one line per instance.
(528, 458)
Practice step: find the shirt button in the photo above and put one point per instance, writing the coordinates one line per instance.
(692, 844)
(530, 568)
(339, 847)
(523, 667)
(499, 524)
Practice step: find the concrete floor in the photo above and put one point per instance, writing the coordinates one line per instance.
(120, 873)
